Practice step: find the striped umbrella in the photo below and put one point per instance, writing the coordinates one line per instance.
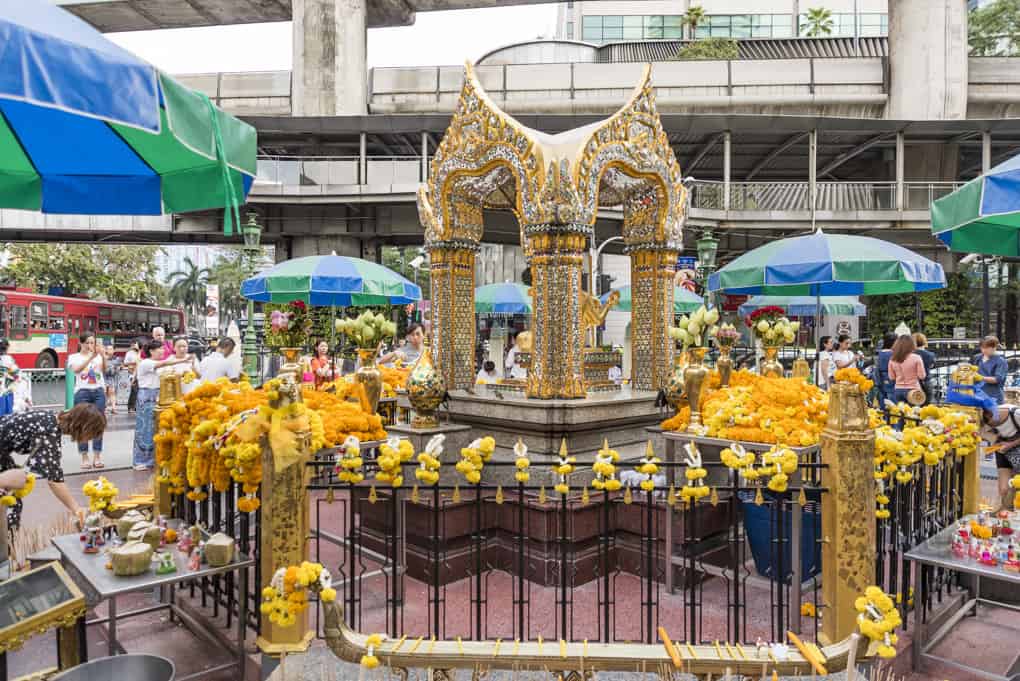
(86, 127)
(506, 298)
(807, 306)
(822, 264)
(330, 281)
(982, 216)
(684, 301)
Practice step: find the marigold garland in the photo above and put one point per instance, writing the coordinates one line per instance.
(854, 376)
(427, 472)
(648, 466)
(392, 455)
(1014, 483)
(286, 596)
(604, 468)
(348, 466)
(101, 494)
(10, 497)
(564, 466)
(521, 462)
(695, 474)
(877, 619)
(474, 457)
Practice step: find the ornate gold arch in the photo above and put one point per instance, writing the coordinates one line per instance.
(554, 185)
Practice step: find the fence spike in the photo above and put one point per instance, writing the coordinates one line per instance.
(801, 498)
(627, 496)
(584, 496)
(499, 495)
(456, 494)
(372, 497)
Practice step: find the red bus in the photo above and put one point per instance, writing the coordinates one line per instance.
(43, 330)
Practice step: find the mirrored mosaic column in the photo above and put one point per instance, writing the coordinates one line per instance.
(556, 265)
(651, 279)
(452, 266)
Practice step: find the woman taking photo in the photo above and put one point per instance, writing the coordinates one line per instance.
(143, 457)
(843, 356)
(89, 368)
(906, 369)
(37, 434)
(323, 367)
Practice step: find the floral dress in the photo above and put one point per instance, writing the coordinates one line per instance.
(37, 434)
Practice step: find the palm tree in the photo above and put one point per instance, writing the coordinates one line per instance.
(818, 22)
(187, 287)
(692, 17)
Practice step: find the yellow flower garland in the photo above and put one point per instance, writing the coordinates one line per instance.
(474, 457)
(392, 455)
(10, 497)
(101, 494)
(286, 596)
(854, 376)
(877, 619)
(348, 467)
(521, 462)
(604, 468)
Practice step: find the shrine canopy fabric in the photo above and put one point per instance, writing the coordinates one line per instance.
(807, 306)
(86, 127)
(982, 216)
(684, 301)
(505, 298)
(330, 281)
(820, 264)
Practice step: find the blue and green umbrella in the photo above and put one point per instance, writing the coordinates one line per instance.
(982, 216)
(86, 127)
(684, 301)
(506, 298)
(330, 281)
(822, 264)
(807, 306)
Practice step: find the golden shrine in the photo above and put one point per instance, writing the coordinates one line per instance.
(554, 185)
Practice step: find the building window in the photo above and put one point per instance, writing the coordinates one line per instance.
(745, 26)
(591, 28)
(570, 30)
(870, 24)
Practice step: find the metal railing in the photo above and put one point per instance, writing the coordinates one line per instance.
(311, 173)
(830, 196)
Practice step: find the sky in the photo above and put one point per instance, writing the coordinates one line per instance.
(436, 38)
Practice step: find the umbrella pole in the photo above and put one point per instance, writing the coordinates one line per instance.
(818, 319)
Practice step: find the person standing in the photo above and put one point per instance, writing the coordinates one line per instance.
(906, 369)
(1004, 426)
(143, 456)
(513, 369)
(217, 365)
(159, 334)
(885, 384)
(131, 364)
(37, 434)
(89, 368)
(322, 365)
(993, 368)
(8, 378)
(824, 367)
(409, 352)
(110, 376)
(928, 359)
(187, 364)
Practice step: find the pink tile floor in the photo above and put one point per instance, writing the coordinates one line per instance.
(988, 641)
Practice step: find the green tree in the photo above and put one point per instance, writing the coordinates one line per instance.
(119, 274)
(994, 30)
(710, 48)
(941, 310)
(818, 22)
(228, 272)
(693, 17)
(187, 288)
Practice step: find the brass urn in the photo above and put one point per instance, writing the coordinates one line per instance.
(695, 374)
(724, 365)
(770, 366)
(425, 390)
(369, 377)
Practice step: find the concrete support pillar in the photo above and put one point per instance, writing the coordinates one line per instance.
(363, 159)
(424, 157)
(986, 152)
(330, 72)
(452, 266)
(651, 280)
(848, 509)
(900, 168)
(927, 59)
(557, 261)
(813, 172)
(727, 166)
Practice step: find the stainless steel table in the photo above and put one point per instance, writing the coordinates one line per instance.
(936, 553)
(105, 586)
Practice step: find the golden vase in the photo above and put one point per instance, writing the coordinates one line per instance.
(695, 374)
(290, 362)
(369, 377)
(801, 369)
(770, 366)
(724, 365)
(674, 387)
(425, 390)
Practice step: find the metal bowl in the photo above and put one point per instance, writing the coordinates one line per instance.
(133, 667)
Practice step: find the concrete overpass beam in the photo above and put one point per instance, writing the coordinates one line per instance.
(324, 244)
(330, 58)
(927, 59)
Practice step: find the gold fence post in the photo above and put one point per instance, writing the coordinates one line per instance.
(971, 467)
(169, 392)
(848, 509)
(284, 527)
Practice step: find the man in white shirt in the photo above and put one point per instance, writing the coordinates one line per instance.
(217, 365)
(513, 370)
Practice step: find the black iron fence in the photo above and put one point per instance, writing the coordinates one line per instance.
(522, 561)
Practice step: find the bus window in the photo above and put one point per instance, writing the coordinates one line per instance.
(56, 316)
(119, 324)
(3, 320)
(175, 323)
(40, 319)
(104, 313)
(132, 321)
(153, 319)
(90, 325)
(105, 326)
(19, 322)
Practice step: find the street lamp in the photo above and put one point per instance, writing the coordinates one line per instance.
(708, 247)
(252, 233)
